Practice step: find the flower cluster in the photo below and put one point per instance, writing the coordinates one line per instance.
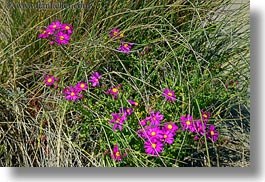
(155, 135)
(57, 32)
(199, 126)
(73, 93)
(119, 118)
(125, 47)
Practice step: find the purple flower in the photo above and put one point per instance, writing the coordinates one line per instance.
(68, 29)
(168, 136)
(153, 146)
(133, 103)
(114, 92)
(62, 38)
(142, 133)
(116, 153)
(49, 80)
(187, 123)
(55, 25)
(170, 126)
(72, 93)
(212, 133)
(81, 86)
(125, 47)
(205, 115)
(117, 120)
(126, 111)
(199, 127)
(196, 137)
(114, 33)
(143, 122)
(46, 33)
(154, 132)
(94, 79)
(155, 118)
(169, 94)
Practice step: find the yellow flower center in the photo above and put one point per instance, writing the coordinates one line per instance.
(67, 27)
(118, 120)
(153, 133)
(169, 126)
(49, 80)
(154, 118)
(118, 154)
(97, 80)
(72, 94)
(188, 123)
(153, 145)
(61, 37)
(205, 115)
(212, 133)
(115, 33)
(128, 110)
(114, 90)
(82, 85)
(165, 136)
(122, 35)
(54, 26)
(126, 45)
(44, 31)
(169, 94)
(136, 104)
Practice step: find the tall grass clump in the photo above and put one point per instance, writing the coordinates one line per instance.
(142, 84)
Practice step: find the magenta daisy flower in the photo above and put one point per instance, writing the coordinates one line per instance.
(94, 79)
(169, 94)
(155, 118)
(49, 80)
(199, 127)
(68, 29)
(62, 38)
(196, 137)
(212, 133)
(142, 133)
(205, 115)
(187, 123)
(154, 132)
(170, 126)
(168, 136)
(81, 86)
(133, 103)
(116, 155)
(153, 147)
(125, 47)
(117, 120)
(113, 91)
(45, 34)
(72, 93)
(114, 32)
(143, 122)
(126, 111)
(55, 25)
